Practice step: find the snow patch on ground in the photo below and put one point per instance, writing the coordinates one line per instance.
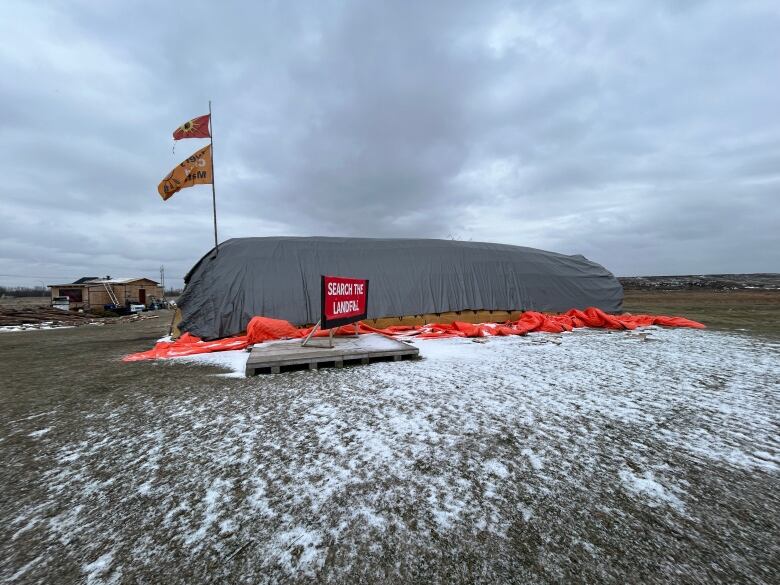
(97, 569)
(43, 326)
(216, 497)
(39, 433)
(646, 485)
(298, 550)
(475, 448)
(493, 467)
(533, 459)
(233, 360)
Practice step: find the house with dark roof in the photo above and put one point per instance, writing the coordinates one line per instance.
(95, 292)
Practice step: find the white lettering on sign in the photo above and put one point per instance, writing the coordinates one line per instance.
(341, 307)
(345, 288)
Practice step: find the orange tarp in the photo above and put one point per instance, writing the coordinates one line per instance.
(262, 329)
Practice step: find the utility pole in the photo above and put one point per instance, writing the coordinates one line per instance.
(162, 279)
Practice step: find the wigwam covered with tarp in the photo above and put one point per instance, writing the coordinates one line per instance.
(413, 281)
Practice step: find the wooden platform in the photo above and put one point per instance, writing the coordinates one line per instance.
(272, 358)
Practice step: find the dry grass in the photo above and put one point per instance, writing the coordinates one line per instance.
(749, 311)
(24, 302)
(133, 460)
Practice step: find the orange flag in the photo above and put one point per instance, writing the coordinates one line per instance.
(196, 170)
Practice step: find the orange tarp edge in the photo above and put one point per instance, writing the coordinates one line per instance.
(262, 329)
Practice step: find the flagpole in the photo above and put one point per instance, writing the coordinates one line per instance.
(213, 189)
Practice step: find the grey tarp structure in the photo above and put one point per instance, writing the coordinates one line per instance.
(280, 278)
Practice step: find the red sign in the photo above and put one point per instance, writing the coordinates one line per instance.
(344, 300)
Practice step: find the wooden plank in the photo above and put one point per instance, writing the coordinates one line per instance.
(364, 349)
(290, 360)
(304, 354)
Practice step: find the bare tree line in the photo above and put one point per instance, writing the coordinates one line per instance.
(39, 291)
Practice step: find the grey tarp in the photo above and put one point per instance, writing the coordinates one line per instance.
(280, 278)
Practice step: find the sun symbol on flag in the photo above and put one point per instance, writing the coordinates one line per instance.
(188, 127)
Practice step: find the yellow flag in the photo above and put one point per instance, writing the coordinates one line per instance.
(196, 170)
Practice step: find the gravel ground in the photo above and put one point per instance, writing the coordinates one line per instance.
(604, 458)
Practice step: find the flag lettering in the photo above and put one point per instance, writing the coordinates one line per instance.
(195, 170)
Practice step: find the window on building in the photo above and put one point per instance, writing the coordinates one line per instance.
(73, 294)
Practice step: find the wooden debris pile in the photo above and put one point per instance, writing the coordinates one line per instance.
(48, 317)
(132, 318)
(10, 317)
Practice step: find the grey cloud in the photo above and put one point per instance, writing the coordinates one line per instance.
(641, 134)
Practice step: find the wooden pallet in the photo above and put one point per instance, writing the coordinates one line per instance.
(273, 358)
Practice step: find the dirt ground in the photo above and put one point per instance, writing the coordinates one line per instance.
(600, 460)
(750, 311)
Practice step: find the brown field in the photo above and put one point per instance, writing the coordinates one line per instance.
(17, 303)
(749, 311)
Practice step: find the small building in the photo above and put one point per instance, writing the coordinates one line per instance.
(94, 293)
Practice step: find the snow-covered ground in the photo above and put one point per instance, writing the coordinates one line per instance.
(234, 361)
(594, 456)
(42, 326)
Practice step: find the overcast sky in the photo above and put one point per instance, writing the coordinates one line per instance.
(644, 135)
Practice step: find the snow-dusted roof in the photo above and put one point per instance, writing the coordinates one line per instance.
(122, 280)
(106, 281)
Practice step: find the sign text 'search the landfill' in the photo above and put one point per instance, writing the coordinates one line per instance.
(344, 300)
